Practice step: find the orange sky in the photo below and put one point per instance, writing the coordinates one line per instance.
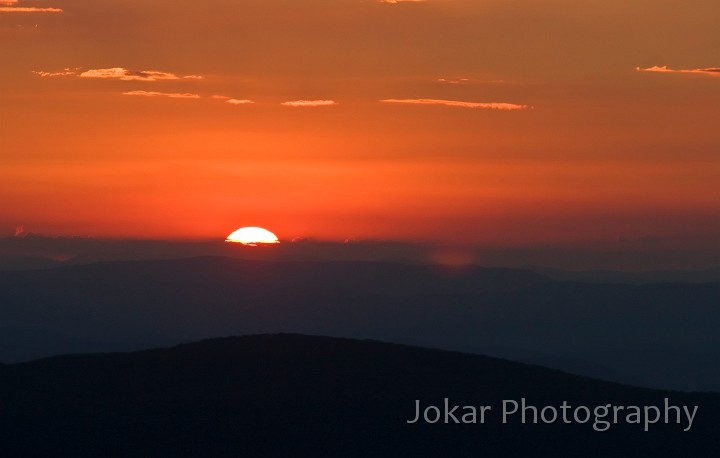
(487, 122)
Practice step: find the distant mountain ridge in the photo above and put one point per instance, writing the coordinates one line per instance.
(631, 278)
(619, 255)
(659, 335)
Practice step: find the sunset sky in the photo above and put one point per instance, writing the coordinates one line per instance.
(481, 122)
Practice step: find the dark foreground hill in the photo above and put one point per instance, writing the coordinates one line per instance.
(659, 335)
(299, 396)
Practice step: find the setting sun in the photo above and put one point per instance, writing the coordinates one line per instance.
(252, 236)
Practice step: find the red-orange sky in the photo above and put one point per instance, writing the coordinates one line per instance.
(488, 122)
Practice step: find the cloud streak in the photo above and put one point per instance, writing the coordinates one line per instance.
(465, 81)
(393, 2)
(18, 9)
(172, 95)
(232, 100)
(239, 102)
(460, 104)
(309, 103)
(712, 71)
(453, 80)
(66, 72)
(10, 6)
(122, 74)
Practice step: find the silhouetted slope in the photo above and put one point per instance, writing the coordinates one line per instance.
(290, 395)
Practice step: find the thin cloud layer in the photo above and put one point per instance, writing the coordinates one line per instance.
(239, 102)
(713, 71)
(18, 9)
(232, 100)
(465, 81)
(309, 103)
(66, 72)
(10, 6)
(172, 95)
(453, 80)
(460, 104)
(121, 74)
(129, 75)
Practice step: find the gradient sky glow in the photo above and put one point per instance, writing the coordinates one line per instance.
(482, 122)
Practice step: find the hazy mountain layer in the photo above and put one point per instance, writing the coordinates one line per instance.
(661, 335)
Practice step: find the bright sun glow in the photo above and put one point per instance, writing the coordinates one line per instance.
(252, 236)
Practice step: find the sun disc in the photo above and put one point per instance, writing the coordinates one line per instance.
(252, 236)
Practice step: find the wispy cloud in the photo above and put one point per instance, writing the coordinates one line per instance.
(453, 80)
(456, 103)
(172, 95)
(401, 1)
(120, 73)
(239, 102)
(713, 71)
(232, 100)
(21, 9)
(130, 75)
(309, 103)
(10, 6)
(465, 81)
(66, 72)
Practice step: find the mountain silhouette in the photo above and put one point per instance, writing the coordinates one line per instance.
(293, 395)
